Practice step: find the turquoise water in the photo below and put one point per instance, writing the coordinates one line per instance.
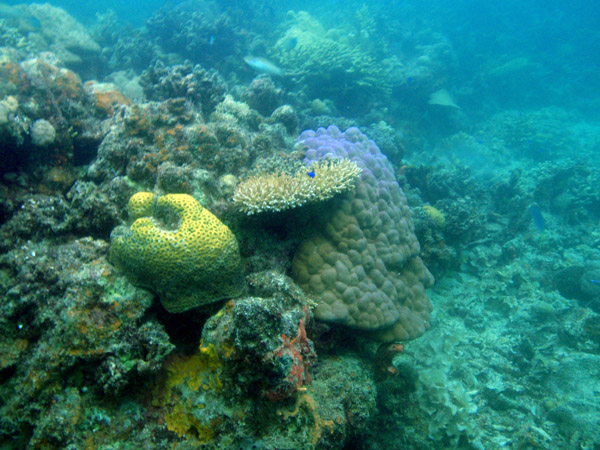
(257, 293)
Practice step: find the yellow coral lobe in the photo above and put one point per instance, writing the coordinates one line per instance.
(189, 379)
(185, 424)
(140, 205)
(435, 215)
(180, 250)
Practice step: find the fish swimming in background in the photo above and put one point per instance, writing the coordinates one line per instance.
(310, 174)
(538, 219)
(20, 18)
(263, 65)
(289, 44)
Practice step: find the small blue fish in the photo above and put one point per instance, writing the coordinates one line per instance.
(211, 39)
(595, 282)
(538, 219)
(310, 174)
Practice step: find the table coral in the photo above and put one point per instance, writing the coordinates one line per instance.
(279, 192)
(193, 263)
(362, 262)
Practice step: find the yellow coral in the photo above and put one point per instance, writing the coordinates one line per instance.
(178, 249)
(184, 392)
(435, 215)
(140, 205)
(283, 191)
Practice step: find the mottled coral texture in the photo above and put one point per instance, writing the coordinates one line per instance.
(362, 264)
(178, 249)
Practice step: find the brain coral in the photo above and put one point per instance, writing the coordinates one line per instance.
(178, 249)
(362, 263)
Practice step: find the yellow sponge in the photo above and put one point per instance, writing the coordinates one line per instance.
(179, 249)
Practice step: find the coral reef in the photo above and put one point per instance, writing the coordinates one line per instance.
(362, 262)
(204, 88)
(64, 36)
(90, 359)
(326, 67)
(321, 181)
(264, 369)
(199, 35)
(262, 95)
(73, 325)
(178, 249)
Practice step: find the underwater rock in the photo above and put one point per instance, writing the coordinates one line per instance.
(286, 116)
(196, 34)
(577, 414)
(389, 140)
(42, 133)
(326, 67)
(105, 97)
(47, 122)
(568, 282)
(38, 216)
(590, 287)
(252, 378)
(262, 95)
(443, 99)
(92, 211)
(262, 338)
(65, 37)
(174, 179)
(204, 88)
(70, 314)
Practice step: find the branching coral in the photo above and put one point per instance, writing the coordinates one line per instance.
(321, 181)
(326, 66)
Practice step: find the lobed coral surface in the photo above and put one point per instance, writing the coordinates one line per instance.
(194, 263)
(362, 263)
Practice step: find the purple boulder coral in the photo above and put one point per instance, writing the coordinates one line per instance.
(362, 263)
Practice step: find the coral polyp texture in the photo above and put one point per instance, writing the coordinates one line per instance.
(178, 249)
(362, 262)
(278, 192)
